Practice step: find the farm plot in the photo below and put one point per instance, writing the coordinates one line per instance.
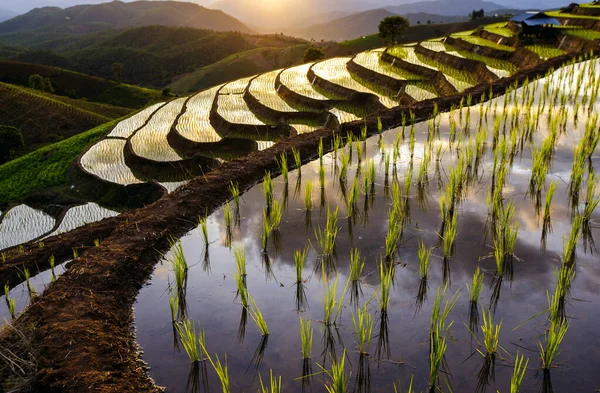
(335, 71)
(234, 109)
(475, 40)
(151, 141)
(194, 124)
(296, 79)
(22, 224)
(127, 127)
(263, 89)
(106, 160)
(79, 216)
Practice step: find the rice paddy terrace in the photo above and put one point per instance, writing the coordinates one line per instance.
(481, 172)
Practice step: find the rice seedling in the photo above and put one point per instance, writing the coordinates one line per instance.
(52, 262)
(322, 177)
(274, 386)
(75, 253)
(275, 216)
(228, 215)
(391, 239)
(476, 286)
(266, 232)
(173, 306)
(326, 237)
(491, 334)
(554, 336)
(386, 276)
(268, 190)
(437, 352)
(306, 337)
(570, 242)
(258, 318)
(331, 304)
(203, 229)
(363, 329)
(548, 204)
(308, 187)
(234, 190)
(283, 164)
(339, 380)
(424, 255)
(592, 199)
(410, 386)
(10, 302)
(518, 373)
(178, 264)
(221, 370)
(186, 330)
(352, 198)
(345, 163)
(96, 242)
(30, 287)
(449, 236)
(356, 265)
(297, 160)
(299, 262)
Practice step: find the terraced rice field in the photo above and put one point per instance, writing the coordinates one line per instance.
(106, 160)
(22, 224)
(127, 127)
(151, 140)
(194, 124)
(263, 89)
(79, 216)
(475, 40)
(234, 109)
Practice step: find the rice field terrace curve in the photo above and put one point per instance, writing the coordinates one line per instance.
(168, 145)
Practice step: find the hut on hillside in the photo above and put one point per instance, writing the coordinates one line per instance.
(534, 24)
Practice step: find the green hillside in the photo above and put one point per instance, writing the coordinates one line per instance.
(45, 118)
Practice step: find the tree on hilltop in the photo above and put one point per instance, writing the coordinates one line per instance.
(391, 27)
(313, 54)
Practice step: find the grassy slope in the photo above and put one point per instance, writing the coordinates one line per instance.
(68, 82)
(46, 167)
(44, 118)
(237, 66)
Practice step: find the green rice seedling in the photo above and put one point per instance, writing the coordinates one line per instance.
(410, 386)
(275, 216)
(386, 276)
(363, 132)
(326, 238)
(554, 336)
(186, 330)
(240, 259)
(258, 318)
(570, 242)
(178, 264)
(339, 380)
(308, 188)
(491, 334)
(242, 289)
(449, 236)
(592, 199)
(96, 242)
(322, 177)
(392, 238)
(337, 143)
(266, 232)
(331, 304)
(297, 160)
(10, 302)
(268, 190)
(359, 153)
(476, 286)
(345, 163)
(173, 306)
(320, 152)
(306, 337)
(518, 373)
(299, 262)
(234, 190)
(221, 370)
(30, 287)
(548, 203)
(274, 386)
(52, 262)
(283, 164)
(437, 352)
(379, 125)
(363, 329)
(356, 265)
(203, 229)
(40, 244)
(75, 253)
(352, 198)
(424, 255)
(228, 215)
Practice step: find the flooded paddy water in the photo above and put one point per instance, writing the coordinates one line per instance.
(469, 150)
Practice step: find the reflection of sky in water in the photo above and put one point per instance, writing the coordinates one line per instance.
(210, 294)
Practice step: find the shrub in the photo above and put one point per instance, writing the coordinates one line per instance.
(313, 54)
(11, 139)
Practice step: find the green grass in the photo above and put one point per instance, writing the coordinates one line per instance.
(545, 51)
(47, 167)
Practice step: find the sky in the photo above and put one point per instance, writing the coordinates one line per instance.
(22, 6)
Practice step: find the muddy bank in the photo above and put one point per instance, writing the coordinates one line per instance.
(92, 301)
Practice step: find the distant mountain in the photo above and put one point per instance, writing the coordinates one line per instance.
(116, 14)
(6, 14)
(366, 23)
(444, 7)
